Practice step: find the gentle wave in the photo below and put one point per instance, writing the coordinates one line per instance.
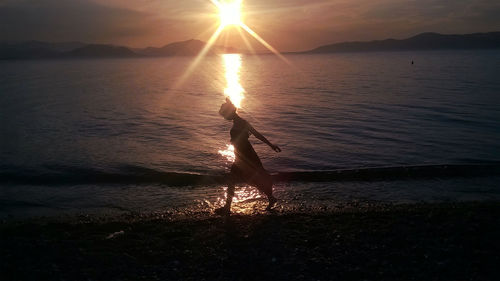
(140, 175)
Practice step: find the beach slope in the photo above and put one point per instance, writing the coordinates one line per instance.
(448, 241)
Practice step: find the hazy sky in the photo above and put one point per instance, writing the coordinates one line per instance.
(287, 24)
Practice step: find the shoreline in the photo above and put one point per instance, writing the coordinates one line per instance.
(427, 241)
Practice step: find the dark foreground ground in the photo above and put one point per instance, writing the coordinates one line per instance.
(405, 242)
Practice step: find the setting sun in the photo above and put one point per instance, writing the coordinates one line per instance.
(230, 12)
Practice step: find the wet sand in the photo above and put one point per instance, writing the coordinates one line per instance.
(446, 241)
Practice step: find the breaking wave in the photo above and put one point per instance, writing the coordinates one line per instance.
(141, 175)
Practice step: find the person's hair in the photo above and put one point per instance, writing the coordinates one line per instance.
(227, 109)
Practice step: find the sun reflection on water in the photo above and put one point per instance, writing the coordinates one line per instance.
(233, 90)
(246, 200)
(228, 153)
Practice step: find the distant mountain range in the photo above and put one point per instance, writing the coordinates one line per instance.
(185, 48)
(100, 51)
(424, 41)
(44, 50)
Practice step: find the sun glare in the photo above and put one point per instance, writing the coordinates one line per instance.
(228, 153)
(230, 12)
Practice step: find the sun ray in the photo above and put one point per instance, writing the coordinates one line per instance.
(226, 39)
(290, 8)
(230, 14)
(200, 56)
(216, 3)
(263, 42)
(245, 40)
(207, 31)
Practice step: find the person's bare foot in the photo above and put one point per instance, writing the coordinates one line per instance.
(272, 202)
(223, 211)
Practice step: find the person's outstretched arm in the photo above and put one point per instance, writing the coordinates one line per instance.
(263, 139)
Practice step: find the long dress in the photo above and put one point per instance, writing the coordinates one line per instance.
(247, 166)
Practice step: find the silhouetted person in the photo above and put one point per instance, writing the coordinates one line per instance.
(247, 166)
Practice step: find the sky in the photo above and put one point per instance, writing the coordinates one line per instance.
(288, 25)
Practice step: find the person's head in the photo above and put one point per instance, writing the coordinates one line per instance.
(228, 110)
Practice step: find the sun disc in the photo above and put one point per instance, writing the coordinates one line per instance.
(230, 12)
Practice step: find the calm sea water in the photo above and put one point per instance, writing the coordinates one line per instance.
(75, 132)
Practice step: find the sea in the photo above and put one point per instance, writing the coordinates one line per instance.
(143, 135)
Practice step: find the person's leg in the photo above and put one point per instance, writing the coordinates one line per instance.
(229, 195)
(226, 209)
(272, 200)
(264, 184)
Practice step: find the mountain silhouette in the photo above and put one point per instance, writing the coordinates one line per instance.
(45, 50)
(101, 51)
(185, 48)
(423, 41)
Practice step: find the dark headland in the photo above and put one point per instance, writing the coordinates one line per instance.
(423, 41)
(444, 241)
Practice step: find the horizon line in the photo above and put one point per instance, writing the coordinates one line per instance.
(244, 51)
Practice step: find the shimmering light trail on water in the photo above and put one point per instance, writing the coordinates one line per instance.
(228, 153)
(233, 90)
